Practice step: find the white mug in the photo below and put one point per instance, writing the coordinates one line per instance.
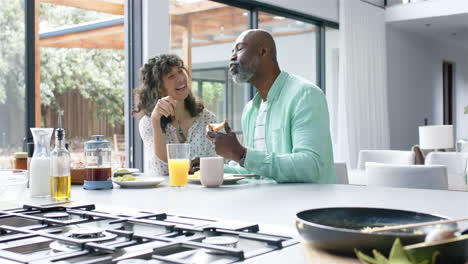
(211, 171)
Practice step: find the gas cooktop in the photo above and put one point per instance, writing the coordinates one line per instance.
(68, 233)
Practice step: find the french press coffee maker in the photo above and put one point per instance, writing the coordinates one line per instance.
(98, 170)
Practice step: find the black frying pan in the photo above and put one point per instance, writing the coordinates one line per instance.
(339, 229)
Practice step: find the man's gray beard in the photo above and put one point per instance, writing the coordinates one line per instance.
(245, 74)
(242, 77)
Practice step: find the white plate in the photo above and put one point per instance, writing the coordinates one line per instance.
(130, 171)
(228, 179)
(140, 182)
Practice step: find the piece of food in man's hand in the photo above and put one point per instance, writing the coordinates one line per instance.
(215, 127)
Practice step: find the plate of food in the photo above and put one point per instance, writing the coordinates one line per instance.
(131, 181)
(228, 178)
(123, 171)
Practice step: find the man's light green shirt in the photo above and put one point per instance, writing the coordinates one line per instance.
(297, 134)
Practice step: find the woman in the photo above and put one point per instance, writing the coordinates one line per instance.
(169, 113)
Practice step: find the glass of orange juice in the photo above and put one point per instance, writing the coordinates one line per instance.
(178, 160)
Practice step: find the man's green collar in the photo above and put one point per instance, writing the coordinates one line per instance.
(274, 90)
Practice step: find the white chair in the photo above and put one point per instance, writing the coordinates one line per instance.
(385, 156)
(407, 176)
(341, 173)
(456, 164)
(358, 176)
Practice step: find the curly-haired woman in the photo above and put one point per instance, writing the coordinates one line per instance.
(169, 113)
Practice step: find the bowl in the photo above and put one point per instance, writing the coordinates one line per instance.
(12, 184)
(341, 229)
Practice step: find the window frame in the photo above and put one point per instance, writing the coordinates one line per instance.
(30, 68)
(134, 59)
(253, 7)
(134, 150)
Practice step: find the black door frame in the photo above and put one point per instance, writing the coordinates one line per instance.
(448, 72)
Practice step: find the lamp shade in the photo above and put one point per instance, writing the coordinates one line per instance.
(436, 137)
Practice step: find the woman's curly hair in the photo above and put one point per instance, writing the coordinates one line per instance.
(152, 87)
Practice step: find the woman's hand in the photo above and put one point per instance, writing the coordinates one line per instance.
(164, 107)
(194, 165)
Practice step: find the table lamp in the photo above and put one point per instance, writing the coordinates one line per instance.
(436, 137)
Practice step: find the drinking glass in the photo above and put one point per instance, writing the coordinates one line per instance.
(178, 160)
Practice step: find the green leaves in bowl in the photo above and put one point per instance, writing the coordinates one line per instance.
(398, 255)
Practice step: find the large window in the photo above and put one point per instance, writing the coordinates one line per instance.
(210, 84)
(82, 75)
(295, 43)
(203, 33)
(12, 88)
(87, 82)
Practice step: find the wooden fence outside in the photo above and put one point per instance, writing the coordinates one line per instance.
(80, 117)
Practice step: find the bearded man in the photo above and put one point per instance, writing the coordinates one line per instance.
(285, 126)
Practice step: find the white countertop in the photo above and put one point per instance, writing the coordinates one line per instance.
(456, 182)
(270, 205)
(264, 202)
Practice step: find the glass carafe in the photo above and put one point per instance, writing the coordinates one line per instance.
(98, 157)
(40, 162)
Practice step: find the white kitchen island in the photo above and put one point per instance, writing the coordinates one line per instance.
(264, 202)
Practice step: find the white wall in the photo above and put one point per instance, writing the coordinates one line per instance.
(326, 9)
(156, 28)
(332, 40)
(415, 85)
(424, 9)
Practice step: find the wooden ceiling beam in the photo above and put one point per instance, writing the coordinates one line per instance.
(233, 39)
(210, 14)
(185, 8)
(115, 7)
(102, 38)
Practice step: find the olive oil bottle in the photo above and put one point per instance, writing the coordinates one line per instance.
(60, 180)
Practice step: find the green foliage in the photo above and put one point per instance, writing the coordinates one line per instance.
(97, 74)
(397, 256)
(212, 95)
(466, 109)
(54, 16)
(12, 52)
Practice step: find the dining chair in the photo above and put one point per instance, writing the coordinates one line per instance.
(456, 163)
(341, 173)
(385, 156)
(407, 176)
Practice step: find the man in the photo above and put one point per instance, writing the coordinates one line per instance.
(285, 126)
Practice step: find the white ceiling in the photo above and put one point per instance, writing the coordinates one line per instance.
(453, 28)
